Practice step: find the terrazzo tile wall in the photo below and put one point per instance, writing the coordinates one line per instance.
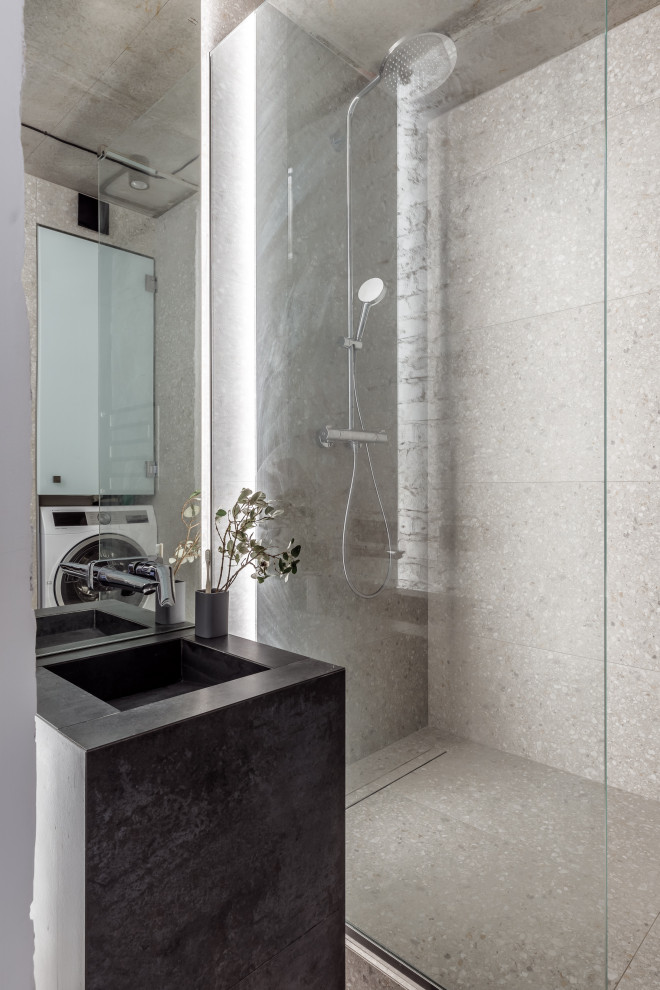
(516, 378)
(633, 401)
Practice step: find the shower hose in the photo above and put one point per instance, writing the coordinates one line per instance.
(355, 446)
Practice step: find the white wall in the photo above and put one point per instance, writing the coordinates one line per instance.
(17, 694)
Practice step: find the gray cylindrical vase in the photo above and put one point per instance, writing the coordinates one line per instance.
(211, 614)
(169, 615)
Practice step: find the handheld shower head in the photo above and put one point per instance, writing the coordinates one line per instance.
(370, 293)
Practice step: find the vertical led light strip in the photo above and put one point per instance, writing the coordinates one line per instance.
(204, 246)
(231, 438)
(247, 169)
(289, 183)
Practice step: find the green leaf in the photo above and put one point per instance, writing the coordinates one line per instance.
(294, 568)
(296, 551)
(220, 513)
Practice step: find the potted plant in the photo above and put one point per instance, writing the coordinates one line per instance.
(241, 548)
(187, 551)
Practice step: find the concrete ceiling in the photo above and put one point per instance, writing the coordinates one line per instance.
(121, 73)
(496, 39)
(125, 73)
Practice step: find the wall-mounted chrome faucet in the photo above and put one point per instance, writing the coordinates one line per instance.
(144, 575)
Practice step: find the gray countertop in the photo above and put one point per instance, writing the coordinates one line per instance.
(91, 723)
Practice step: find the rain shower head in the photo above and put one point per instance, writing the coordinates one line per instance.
(370, 293)
(418, 65)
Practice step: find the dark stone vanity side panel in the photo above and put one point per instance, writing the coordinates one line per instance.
(215, 843)
(313, 962)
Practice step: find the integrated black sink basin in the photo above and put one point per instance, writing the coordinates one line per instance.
(143, 674)
(64, 628)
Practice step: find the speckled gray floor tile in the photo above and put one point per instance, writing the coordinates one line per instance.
(633, 874)
(644, 971)
(469, 908)
(511, 797)
(520, 847)
(361, 976)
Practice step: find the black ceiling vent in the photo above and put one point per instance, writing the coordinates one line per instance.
(93, 215)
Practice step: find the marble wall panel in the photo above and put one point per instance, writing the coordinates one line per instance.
(412, 311)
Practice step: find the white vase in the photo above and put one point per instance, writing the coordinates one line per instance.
(169, 615)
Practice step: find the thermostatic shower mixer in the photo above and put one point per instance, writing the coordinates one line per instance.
(329, 437)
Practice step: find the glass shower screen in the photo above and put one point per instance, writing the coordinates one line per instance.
(438, 446)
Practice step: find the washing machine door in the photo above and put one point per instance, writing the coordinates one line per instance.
(68, 590)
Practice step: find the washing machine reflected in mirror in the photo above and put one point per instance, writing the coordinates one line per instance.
(82, 534)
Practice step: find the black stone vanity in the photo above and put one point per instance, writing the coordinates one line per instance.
(190, 827)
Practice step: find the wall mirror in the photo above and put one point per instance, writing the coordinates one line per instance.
(111, 137)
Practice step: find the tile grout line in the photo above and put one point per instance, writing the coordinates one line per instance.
(501, 324)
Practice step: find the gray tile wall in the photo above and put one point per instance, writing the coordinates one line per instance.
(516, 358)
(516, 366)
(303, 93)
(301, 372)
